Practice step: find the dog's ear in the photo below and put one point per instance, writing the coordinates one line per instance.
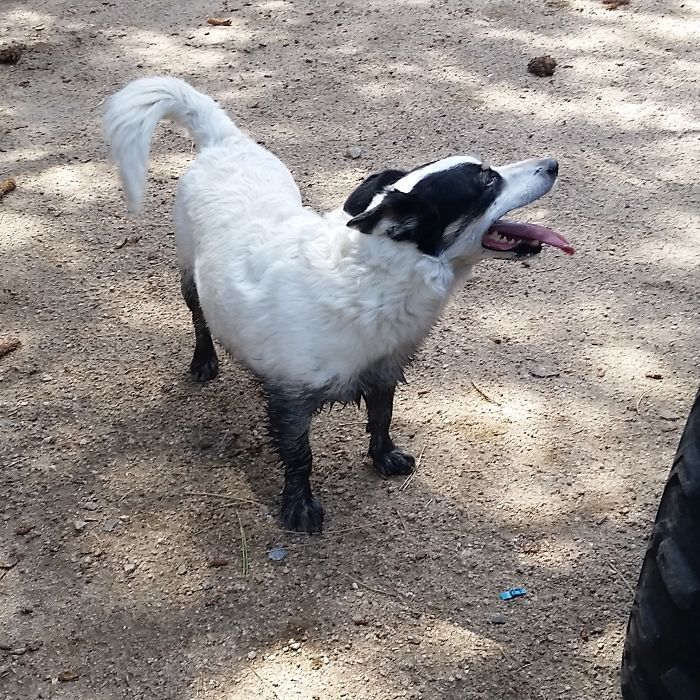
(402, 217)
(365, 192)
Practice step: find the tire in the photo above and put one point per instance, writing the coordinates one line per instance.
(661, 658)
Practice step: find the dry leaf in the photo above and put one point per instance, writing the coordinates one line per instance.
(129, 240)
(219, 21)
(7, 186)
(9, 345)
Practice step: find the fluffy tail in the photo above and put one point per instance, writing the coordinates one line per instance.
(134, 112)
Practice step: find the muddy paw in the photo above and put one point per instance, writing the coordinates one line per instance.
(394, 463)
(303, 515)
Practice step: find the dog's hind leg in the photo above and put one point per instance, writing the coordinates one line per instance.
(388, 459)
(290, 419)
(205, 363)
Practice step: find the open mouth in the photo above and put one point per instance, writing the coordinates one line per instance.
(507, 236)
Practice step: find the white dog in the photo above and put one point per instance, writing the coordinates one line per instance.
(320, 308)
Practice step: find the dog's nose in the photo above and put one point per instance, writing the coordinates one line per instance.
(551, 166)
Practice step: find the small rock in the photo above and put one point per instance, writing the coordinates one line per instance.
(653, 375)
(218, 562)
(542, 66)
(5, 645)
(67, 676)
(18, 651)
(295, 646)
(79, 525)
(12, 53)
(181, 570)
(668, 415)
(498, 620)
(353, 152)
(615, 4)
(8, 560)
(23, 529)
(252, 655)
(35, 645)
(130, 567)
(110, 525)
(90, 505)
(360, 621)
(543, 372)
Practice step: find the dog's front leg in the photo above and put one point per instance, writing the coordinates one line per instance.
(388, 459)
(290, 420)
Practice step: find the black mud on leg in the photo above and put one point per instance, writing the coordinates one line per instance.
(290, 419)
(388, 459)
(205, 363)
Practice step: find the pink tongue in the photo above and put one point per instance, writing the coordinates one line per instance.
(532, 232)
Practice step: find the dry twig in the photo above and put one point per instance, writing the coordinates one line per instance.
(622, 578)
(371, 588)
(265, 682)
(484, 394)
(244, 547)
(409, 478)
(639, 401)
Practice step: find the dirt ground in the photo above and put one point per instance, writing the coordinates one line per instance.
(137, 510)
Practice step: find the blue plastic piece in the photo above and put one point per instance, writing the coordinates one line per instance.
(512, 593)
(277, 554)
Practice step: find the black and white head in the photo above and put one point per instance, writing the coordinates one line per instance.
(453, 208)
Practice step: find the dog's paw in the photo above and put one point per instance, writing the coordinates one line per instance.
(204, 369)
(394, 462)
(303, 515)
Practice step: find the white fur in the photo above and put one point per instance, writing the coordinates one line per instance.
(407, 183)
(300, 298)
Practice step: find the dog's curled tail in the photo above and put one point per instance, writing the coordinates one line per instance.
(133, 113)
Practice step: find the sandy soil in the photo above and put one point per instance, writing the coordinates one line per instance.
(121, 482)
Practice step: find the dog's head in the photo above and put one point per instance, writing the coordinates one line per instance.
(452, 208)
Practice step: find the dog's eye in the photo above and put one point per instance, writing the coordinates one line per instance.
(491, 178)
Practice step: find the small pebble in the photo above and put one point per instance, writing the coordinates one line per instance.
(353, 152)
(110, 525)
(542, 372)
(252, 655)
(498, 620)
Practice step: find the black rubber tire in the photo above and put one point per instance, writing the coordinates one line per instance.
(661, 658)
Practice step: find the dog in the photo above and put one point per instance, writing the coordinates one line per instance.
(321, 308)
